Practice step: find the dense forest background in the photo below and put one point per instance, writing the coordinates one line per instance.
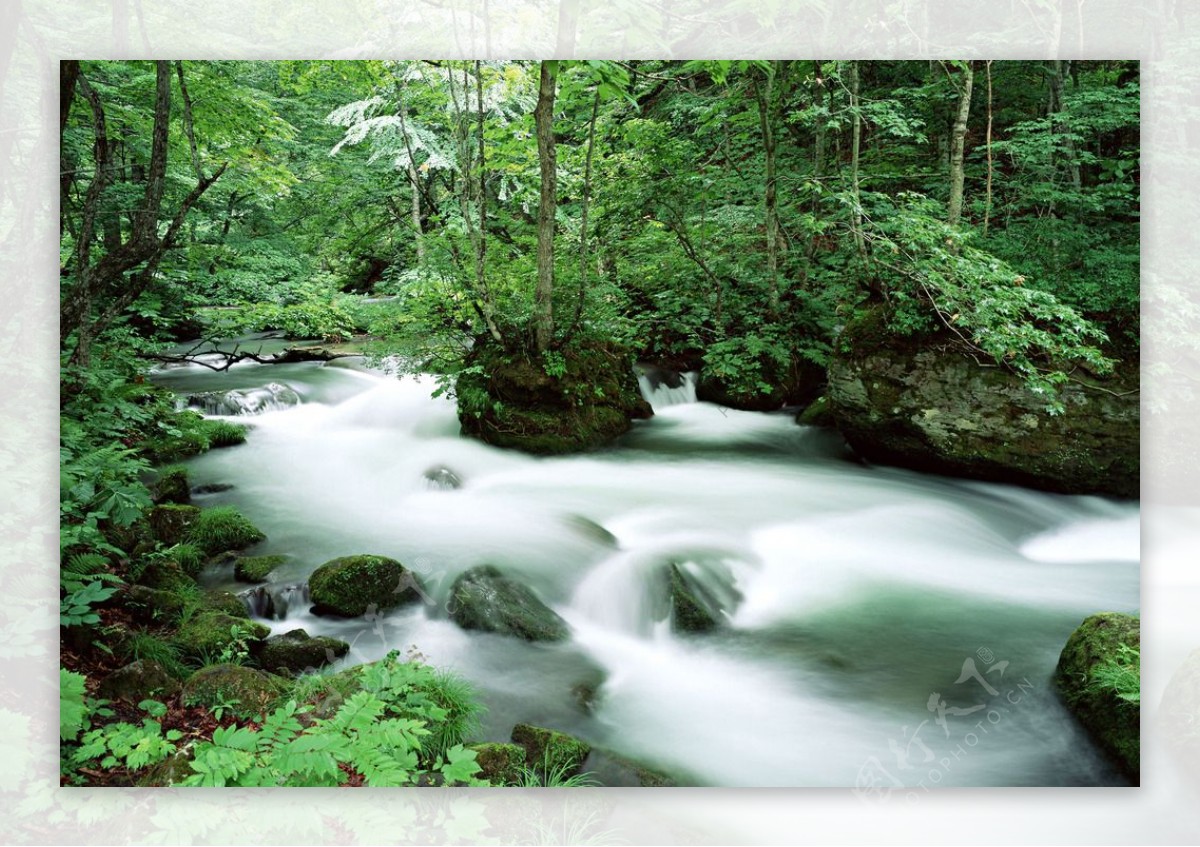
(549, 221)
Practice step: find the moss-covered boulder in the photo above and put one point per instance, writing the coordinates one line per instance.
(244, 691)
(171, 522)
(548, 751)
(152, 605)
(569, 401)
(297, 652)
(207, 633)
(225, 602)
(172, 770)
(795, 385)
(352, 585)
(923, 402)
(138, 681)
(500, 764)
(485, 599)
(817, 413)
(255, 568)
(172, 486)
(167, 575)
(1102, 640)
(222, 528)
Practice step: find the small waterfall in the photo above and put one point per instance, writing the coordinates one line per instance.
(272, 600)
(250, 401)
(661, 387)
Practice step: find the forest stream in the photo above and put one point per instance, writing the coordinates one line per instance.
(885, 626)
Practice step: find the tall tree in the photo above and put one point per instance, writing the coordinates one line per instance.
(963, 83)
(543, 118)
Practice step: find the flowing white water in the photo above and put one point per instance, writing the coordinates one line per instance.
(854, 593)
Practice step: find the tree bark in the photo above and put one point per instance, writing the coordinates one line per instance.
(958, 143)
(987, 202)
(543, 118)
(855, 145)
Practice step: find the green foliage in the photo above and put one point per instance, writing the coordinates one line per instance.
(222, 528)
(73, 709)
(380, 733)
(554, 773)
(78, 607)
(1121, 674)
(122, 744)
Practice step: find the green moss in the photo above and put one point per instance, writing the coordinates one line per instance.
(688, 613)
(351, 585)
(246, 692)
(817, 413)
(500, 764)
(166, 575)
(255, 568)
(225, 602)
(222, 528)
(485, 599)
(154, 606)
(171, 522)
(192, 435)
(207, 633)
(553, 750)
(511, 400)
(1100, 641)
(189, 557)
(172, 486)
(224, 433)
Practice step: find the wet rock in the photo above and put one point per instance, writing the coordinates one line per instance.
(442, 479)
(615, 771)
(211, 488)
(249, 401)
(500, 764)
(138, 681)
(225, 602)
(548, 751)
(255, 568)
(511, 400)
(918, 403)
(297, 652)
(700, 593)
(592, 530)
(273, 600)
(352, 585)
(1113, 722)
(485, 599)
(797, 385)
(688, 612)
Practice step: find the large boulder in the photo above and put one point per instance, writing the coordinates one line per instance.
(207, 634)
(1102, 640)
(512, 399)
(485, 599)
(352, 585)
(297, 651)
(922, 403)
(171, 522)
(152, 605)
(255, 568)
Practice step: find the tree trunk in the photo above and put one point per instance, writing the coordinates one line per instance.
(855, 145)
(763, 94)
(543, 118)
(819, 135)
(987, 202)
(957, 173)
(1058, 73)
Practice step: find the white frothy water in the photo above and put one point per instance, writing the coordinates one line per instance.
(862, 590)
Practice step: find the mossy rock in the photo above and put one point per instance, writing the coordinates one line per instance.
(172, 486)
(551, 751)
(615, 771)
(499, 764)
(485, 599)
(509, 399)
(207, 633)
(166, 575)
(1111, 721)
(138, 681)
(222, 528)
(171, 771)
(255, 568)
(352, 585)
(297, 652)
(923, 402)
(225, 602)
(817, 413)
(171, 522)
(152, 605)
(688, 612)
(223, 684)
